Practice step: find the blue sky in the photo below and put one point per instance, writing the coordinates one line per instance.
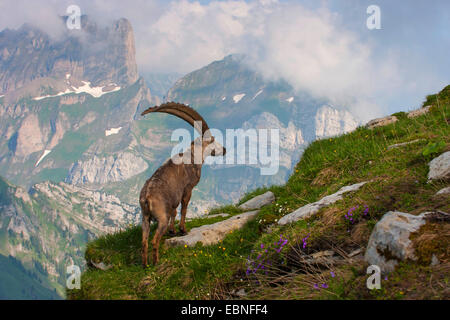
(319, 46)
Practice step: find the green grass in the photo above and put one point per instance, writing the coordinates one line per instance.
(398, 181)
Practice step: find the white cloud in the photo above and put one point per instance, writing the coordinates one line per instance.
(313, 49)
(309, 49)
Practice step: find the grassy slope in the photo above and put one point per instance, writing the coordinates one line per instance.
(398, 182)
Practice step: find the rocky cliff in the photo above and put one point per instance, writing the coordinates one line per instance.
(48, 228)
(104, 55)
(76, 150)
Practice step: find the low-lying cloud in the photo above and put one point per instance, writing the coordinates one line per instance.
(311, 47)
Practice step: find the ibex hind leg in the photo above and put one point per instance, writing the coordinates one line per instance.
(145, 234)
(163, 223)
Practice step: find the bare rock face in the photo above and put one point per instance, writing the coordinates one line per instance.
(29, 137)
(312, 208)
(258, 201)
(110, 60)
(379, 122)
(291, 137)
(389, 242)
(440, 167)
(103, 170)
(332, 122)
(419, 112)
(212, 233)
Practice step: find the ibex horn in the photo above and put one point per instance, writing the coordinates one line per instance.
(181, 111)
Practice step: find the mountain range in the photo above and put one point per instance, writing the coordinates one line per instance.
(75, 151)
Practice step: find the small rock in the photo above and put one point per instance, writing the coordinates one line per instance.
(312, 208)
(434, 260)
(443, 191)
(354, 253)
(241, 293)
(440, 167)
(212, 233)
(101, 266)
(389, 242)
(258, 201)
(403, 144)
(381, 122)
(419, 112)
(216, 215)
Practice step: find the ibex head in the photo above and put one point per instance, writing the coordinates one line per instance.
(209, 146)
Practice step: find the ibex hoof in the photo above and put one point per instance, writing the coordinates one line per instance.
(182, 233)
(172, 233)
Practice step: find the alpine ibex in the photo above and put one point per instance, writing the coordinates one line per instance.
(173, 182)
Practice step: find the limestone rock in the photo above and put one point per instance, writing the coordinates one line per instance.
(419, 112)
(30, 138)
(443, 191)
(397, 145)
(355, 253)
(440, 167)
(104, 170)
(389, 242)
(312, 208)
(241, 293)
(434, 260)
(101, 266)
(379, 122)
(258, 201)
(217, 215)
(212, 233)
(331, 122)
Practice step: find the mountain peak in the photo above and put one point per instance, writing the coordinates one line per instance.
(99, 54)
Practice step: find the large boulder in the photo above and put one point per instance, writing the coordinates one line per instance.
(212, 233)
(419, 112)
(381, 122)
(440, 167)
(258, 201)
(390, 240)
(312, 208)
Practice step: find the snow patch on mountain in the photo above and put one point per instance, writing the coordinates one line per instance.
(46, 152)
(257, 94)
(96, 92)
(238, 97)
(290, 99)
(112, 131)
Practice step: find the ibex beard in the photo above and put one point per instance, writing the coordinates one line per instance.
(172, 183)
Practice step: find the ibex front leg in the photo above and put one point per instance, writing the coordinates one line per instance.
(172, 222)
(184, 204)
